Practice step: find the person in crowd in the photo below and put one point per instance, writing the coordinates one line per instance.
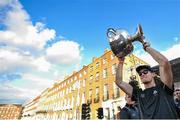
(177, 100)
(156, 100)
(130, 110)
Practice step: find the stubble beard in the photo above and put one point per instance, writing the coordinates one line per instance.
(146, 82)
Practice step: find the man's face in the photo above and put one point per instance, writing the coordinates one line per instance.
(146, 76)
(177, 94)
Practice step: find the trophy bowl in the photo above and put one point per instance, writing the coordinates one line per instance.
(121, 42)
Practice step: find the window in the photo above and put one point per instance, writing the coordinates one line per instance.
(114, 69)
(91, 68)
(80, 75)
(69, 102)
(97, 76)
(105, 73)
(91, 79)
(90, 93)
(85, 72)
(116, 90)
(67, 91)
(83, 97)
(81, 83)
(106, 93)
(97, 65)
(72, 103)
(90, 97)
(96, 99)
(104, 61)
(78, 100)
(107, 113)
(84, 82)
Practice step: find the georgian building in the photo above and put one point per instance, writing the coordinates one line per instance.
(29, 110)
(94, 84)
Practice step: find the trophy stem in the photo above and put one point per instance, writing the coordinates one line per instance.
(138, 36)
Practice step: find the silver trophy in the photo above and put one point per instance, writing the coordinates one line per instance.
(121, 42)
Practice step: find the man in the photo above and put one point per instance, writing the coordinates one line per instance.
(177, 100)
(130, 110)
(156, 100)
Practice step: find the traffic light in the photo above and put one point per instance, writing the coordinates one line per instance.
(83, 115)
(86, 111)
(100, 113)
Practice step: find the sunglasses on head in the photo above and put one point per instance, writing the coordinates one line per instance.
(143, 72)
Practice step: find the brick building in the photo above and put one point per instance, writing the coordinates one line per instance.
(10, 111)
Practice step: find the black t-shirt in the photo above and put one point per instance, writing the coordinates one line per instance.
(156, 102)
(129, 112)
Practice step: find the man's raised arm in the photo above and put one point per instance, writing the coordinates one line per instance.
(164, 65)
(119, 79)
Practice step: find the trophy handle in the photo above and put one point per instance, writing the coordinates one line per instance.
(111, 32)
(141, 36)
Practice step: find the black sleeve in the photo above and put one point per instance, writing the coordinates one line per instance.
(135, 94)
(124, 114)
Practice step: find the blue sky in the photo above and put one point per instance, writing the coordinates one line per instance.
(87, 21)
(42, 41)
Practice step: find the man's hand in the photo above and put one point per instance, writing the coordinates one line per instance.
(145, 45)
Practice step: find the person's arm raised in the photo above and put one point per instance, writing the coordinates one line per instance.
(127, 88)
(164, 65)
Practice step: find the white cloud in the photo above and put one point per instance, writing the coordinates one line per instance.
(13, 61)
(64, 52)
(42, 64)
(27, 88)
(17, 19)
(11, 93)
(171, 53)
(21, 33)
(23, 54)
(5, 2)
(37, 82)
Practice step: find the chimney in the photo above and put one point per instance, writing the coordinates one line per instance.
(93, 59)
(106, 50)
